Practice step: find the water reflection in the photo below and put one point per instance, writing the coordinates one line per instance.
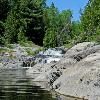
(15, 85)
(24, 93)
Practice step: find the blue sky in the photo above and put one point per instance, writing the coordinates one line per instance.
(74, 5)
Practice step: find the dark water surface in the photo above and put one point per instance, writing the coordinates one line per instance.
(15, 85)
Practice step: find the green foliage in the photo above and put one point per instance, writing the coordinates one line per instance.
(33, 53)
(10, 29)
(32, 20)
(50, 38)
(15, 24)
(58, 26)
(90, 20)
(97, 36)
(64, 27)
(4, 8)
(77, 35)
(69, 45)
(29, 44)
(22, 21)
(10, 46)
(30, 52)
(3, 50)
(35, 26)
(50, 19)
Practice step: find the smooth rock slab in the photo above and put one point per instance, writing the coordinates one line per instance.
(82, 79)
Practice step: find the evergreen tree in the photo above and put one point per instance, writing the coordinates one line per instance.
(91, 20)
(57, 25)
(64, 27)
(15, 23)
(25, 21)
(4, 8)
(50, 18)
(77, 32)
(35, 27)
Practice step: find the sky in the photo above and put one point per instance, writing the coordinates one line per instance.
(73, 5)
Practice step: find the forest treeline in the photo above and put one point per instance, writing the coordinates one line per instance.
(33, 20)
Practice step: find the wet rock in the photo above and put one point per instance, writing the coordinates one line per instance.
(53, 52)
(1, 65)
(47, 56)
(16, 56)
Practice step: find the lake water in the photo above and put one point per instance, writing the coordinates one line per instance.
(15, 85)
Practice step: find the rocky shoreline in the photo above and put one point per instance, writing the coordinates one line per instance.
(74, 71)
(76, 74)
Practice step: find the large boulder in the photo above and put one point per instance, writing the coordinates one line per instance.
(76, 74)
(1, 65)
(44, 72)
(79, 47)
(76, 54)
(82, 79)
(40, 68)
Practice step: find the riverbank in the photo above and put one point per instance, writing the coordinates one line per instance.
(13, 55)
(73, 72)
(76, 74)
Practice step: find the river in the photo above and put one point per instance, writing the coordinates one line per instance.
(16, 85)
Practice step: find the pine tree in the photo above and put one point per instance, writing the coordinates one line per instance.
(90, 19)
(25, 21)
(35, 27)
(4, 9)
(50, 18)
(64, 30)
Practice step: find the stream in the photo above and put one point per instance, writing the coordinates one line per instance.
(15, 85)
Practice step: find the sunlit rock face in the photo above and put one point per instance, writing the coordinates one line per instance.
(82, 78)
(76, 74)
